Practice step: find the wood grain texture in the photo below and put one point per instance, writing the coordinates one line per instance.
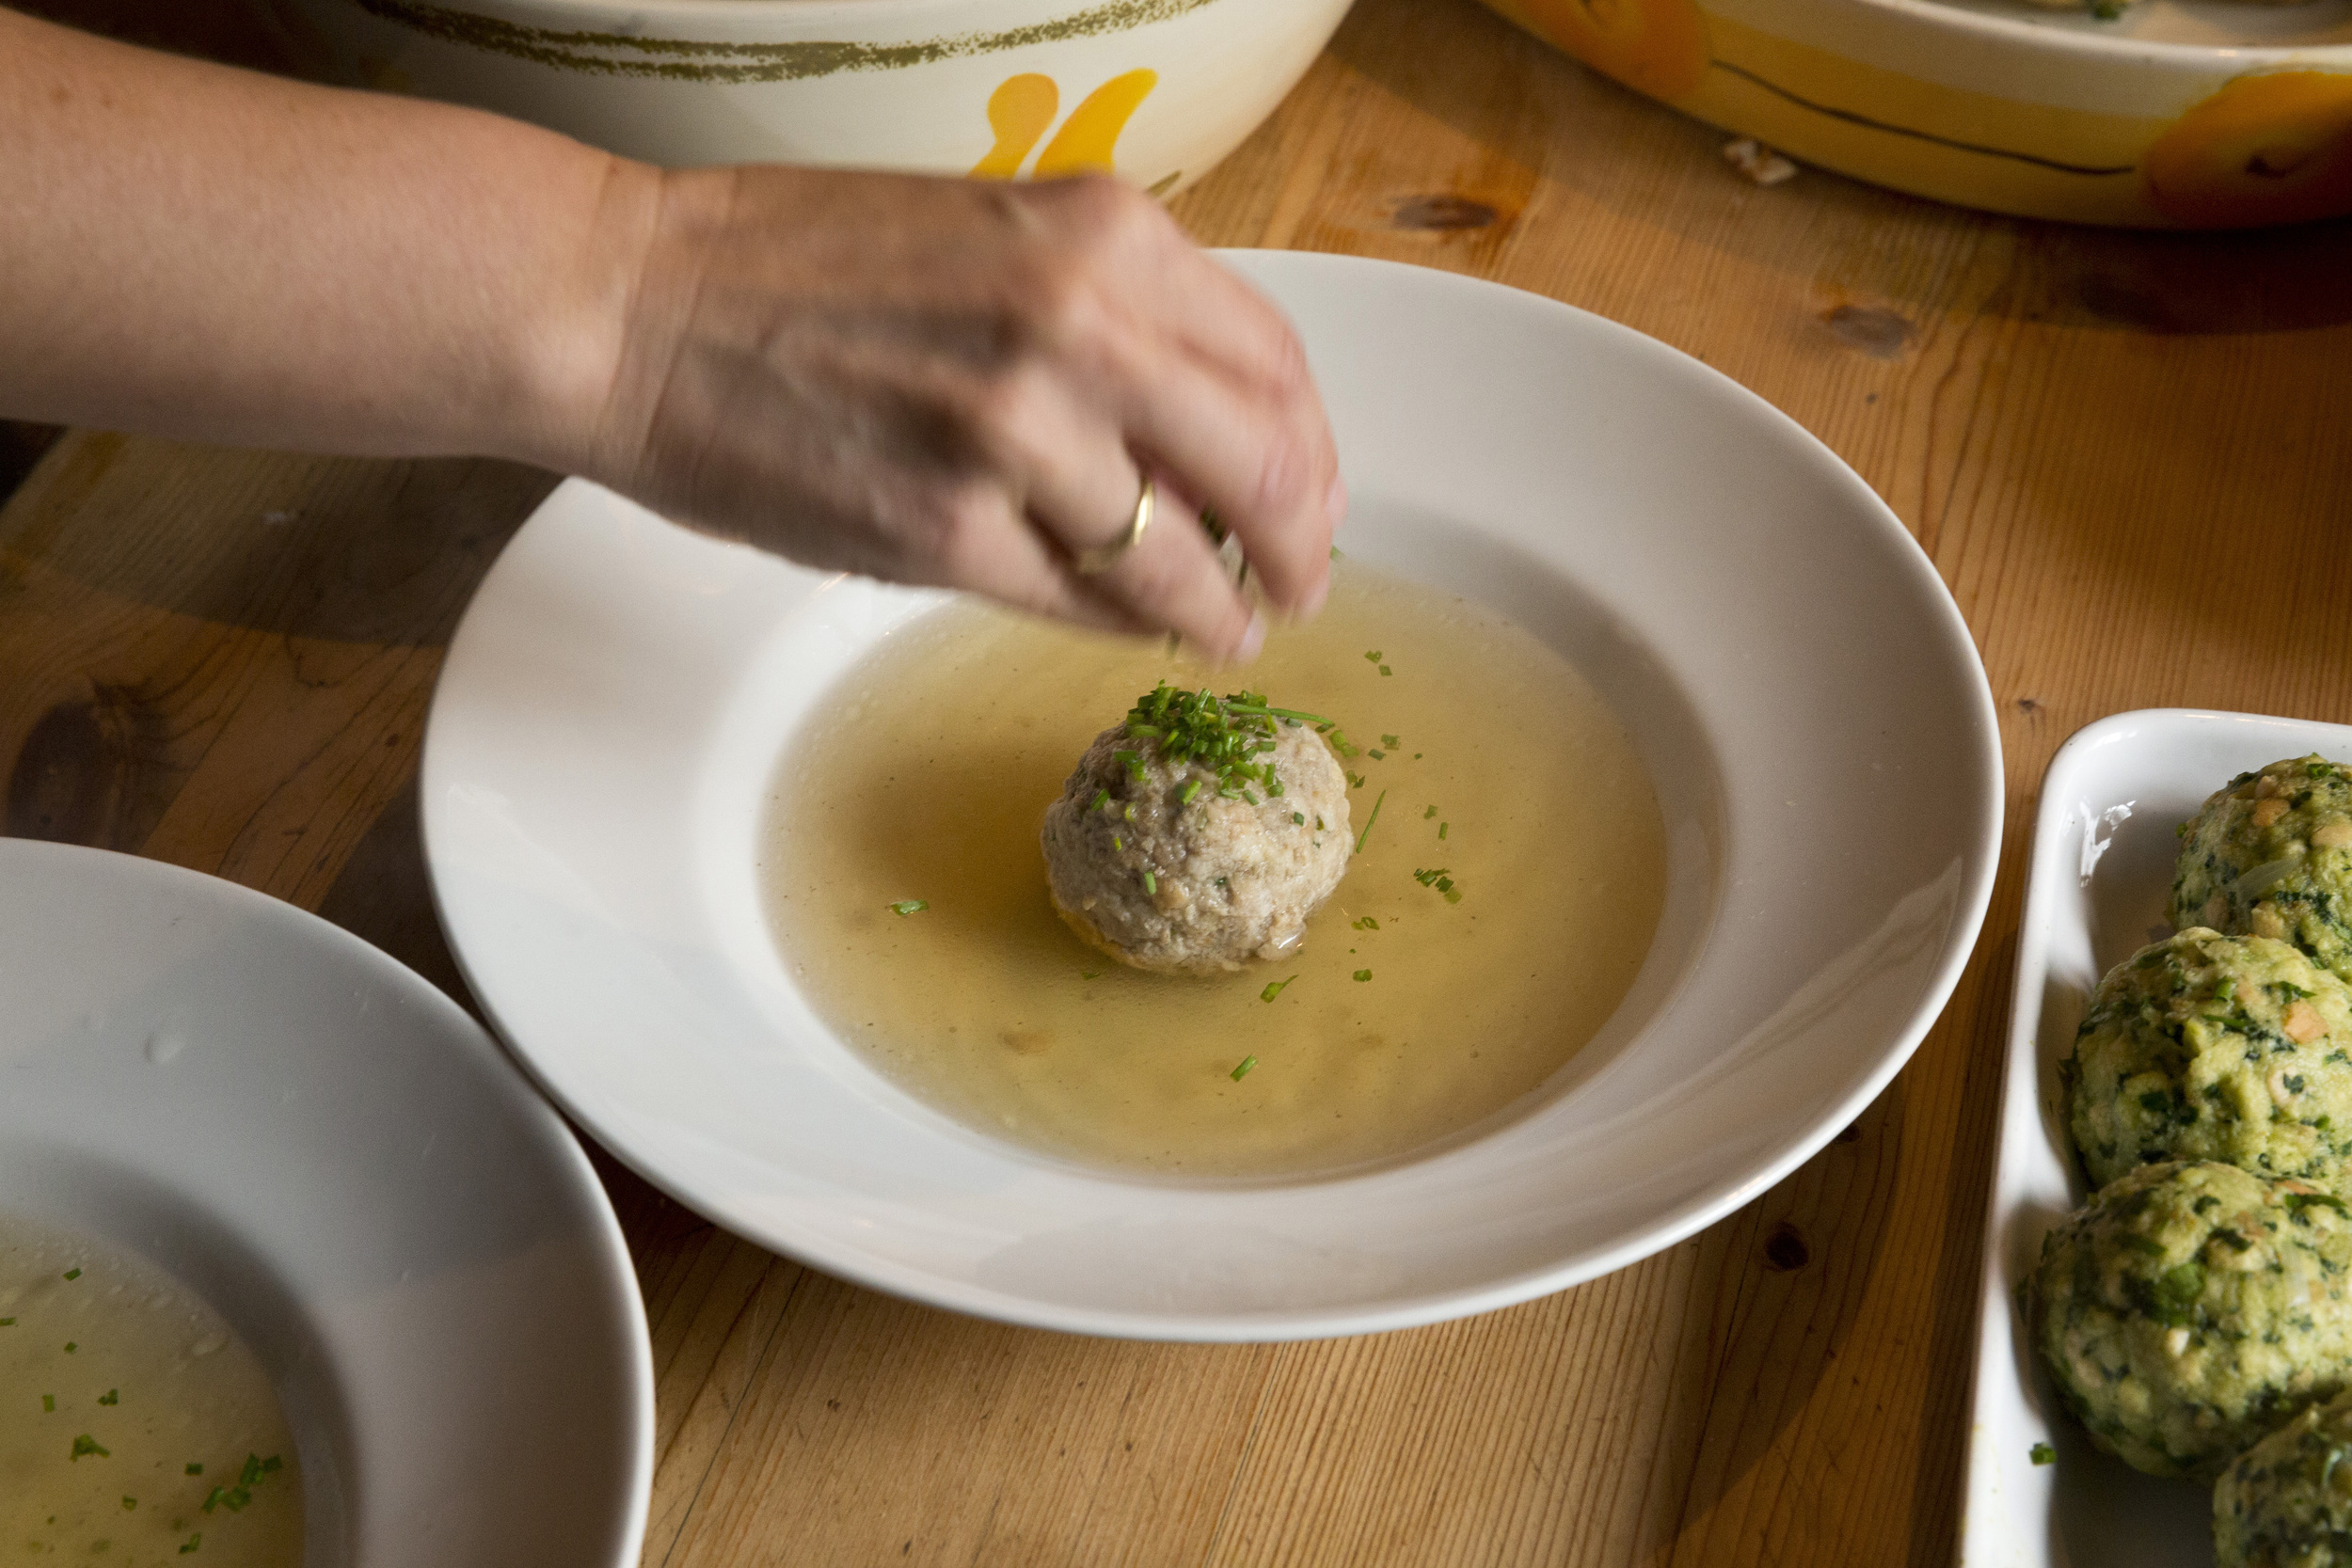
(2130, 457)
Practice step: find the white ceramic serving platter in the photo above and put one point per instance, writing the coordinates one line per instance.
(2101, 865)
(1793, 672)
(338, 1159)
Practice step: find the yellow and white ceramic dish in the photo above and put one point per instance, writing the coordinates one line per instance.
(2191, 113)
(1154, 90)
(1796, 679)
(346, 1167)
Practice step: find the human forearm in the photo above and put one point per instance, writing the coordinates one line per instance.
(214, 254)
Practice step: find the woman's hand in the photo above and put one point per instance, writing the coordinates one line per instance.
(957, 383)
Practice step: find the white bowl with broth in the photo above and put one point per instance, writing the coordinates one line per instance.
(295, 1268)
(1778, 872)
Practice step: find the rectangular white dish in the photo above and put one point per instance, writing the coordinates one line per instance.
(2098, 874)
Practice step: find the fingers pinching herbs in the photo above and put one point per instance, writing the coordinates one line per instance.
(1204, 374)
(1166, 574)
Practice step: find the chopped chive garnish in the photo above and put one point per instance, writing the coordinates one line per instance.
(1378, 756)
(1386, 670)
(195, 1469)
(1090, 974)
(86, 1444)
(1226, 737)
(1246, 796)
(1430, 812)
(1274, 988)
(1370, 820)
(1243, 1071)
(112, 1396)
(2042, 1453)
(1183, 796)
(1445, 884)
(1355, 780)
(1373, 656)
(1453, 895)
(909, 906)
(1118, 844)
(1390, 741)
(1151, 884)
(194, 1542)
(72, 1273)
(1366, 923)
(49, 1403)
(1100, 797)
(1128, 811)
(1363, 975)
(8, 1323)
(1443, 827)
(1298, 818)
(1318, 824)
(129, 1503)
(70, 1347)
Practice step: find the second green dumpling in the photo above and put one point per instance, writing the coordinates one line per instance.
(2207, 1047)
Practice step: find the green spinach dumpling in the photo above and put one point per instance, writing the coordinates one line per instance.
(2187, 1309)
(2270, 855)
(2207, 1047)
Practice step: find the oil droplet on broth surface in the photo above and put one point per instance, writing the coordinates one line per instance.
(928, 775)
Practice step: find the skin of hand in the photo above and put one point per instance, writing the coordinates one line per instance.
(958, 383)
(933, 381)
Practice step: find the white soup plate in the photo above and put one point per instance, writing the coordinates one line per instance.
(347, 1168)
(1791, 668)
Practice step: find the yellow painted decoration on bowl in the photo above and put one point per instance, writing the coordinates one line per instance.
(1019, 111)
(2274, 148)
(1022, 107)
(1654, 46)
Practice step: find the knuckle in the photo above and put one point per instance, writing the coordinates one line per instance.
(959, 531)
(1009, 411)
(1100, 208)
(1054, 303)
(1086, 256)
(1282, 478)
(1157, 583)
(1286, 374)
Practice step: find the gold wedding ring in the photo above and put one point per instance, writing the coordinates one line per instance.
(1101, 558)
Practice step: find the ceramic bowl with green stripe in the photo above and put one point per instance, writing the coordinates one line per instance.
(1154, 91)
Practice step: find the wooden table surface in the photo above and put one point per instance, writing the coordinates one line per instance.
(2130, 456)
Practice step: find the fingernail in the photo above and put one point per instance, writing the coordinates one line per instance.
(1252, 640)
(1335, 502)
